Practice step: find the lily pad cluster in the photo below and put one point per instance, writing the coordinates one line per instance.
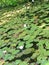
(29, 44)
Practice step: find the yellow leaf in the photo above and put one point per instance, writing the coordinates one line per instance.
(2, 62)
